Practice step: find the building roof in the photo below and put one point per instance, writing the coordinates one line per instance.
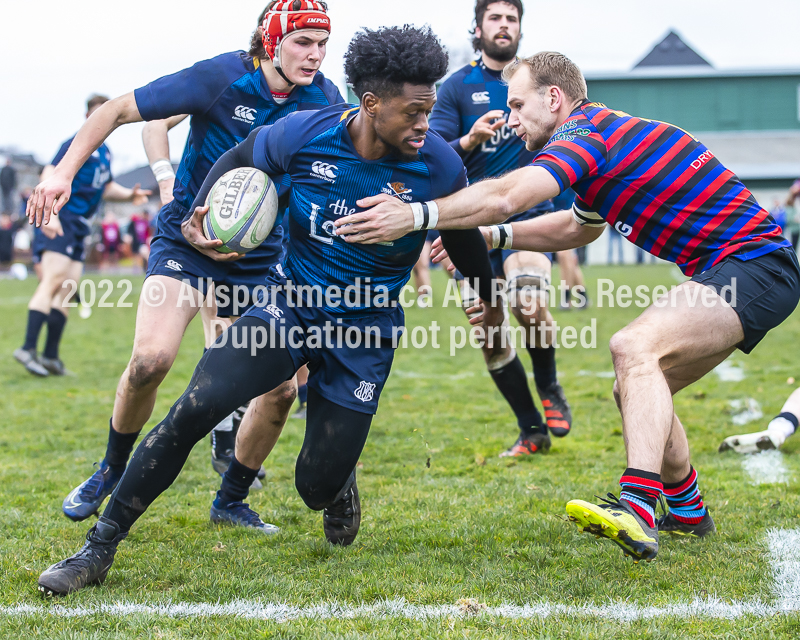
(672, 51)
(143, 176)
(653, 73)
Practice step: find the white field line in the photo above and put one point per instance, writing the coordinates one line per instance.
(784, 554)
(766, 467)
(249, 609)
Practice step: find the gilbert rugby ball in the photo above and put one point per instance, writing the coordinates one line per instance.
(242, 207)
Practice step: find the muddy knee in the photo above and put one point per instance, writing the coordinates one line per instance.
(284, 396)
(146, 370)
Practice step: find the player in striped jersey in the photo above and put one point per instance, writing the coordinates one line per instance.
(667, 193)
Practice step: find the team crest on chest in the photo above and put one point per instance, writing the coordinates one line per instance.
(398, 190)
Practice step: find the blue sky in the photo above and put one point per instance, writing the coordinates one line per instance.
(57, 53)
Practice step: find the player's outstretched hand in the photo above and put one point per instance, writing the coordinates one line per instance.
(192, 229)
(140, 196)
(487, 315)
(386, 219)
(47, 199)
(439, 255)
(483, 129)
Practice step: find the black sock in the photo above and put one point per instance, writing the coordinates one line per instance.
(790, 417)
(56, 322)
(512, 381)
(544, 366)
(235, 484)
(119, 448)
(35, 321)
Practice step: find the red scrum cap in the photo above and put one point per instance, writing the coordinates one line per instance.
(289, 16)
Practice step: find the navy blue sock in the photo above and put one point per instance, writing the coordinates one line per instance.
(235, 484)
(544, 366)
(35, 321)
(119, 448)
(302, 393)
(512, 381)
(56, 322)
(790, 417)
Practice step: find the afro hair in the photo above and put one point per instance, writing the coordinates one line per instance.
(382, 61)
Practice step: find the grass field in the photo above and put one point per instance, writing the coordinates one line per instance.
(446, 522)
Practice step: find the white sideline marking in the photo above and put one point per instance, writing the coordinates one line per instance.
(784, 551)
(729, 371)
(748, 410)
(766, 467)
(783, 548)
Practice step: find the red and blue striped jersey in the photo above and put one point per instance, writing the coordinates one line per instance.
(659, 187)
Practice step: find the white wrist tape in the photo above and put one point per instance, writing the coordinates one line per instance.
(502, 236)
(162, 170)
(416, 209)
(426, 215)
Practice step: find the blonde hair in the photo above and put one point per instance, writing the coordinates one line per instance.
(549, 68)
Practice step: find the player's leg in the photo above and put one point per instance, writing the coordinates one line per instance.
(528, 276)
(166, 307)
(302, 393)
(325, 474)
(55, 270)
(223, 436)
(511, 380)
(57, 320)
(780, 428)
(571, 273)
(665, 349)
(260, 429)
(422, 276)
(225, 378)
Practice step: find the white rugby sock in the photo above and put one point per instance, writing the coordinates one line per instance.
(781, 426)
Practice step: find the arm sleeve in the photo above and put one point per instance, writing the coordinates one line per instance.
(574, 155)
(240, 156)
(193, 90)
(467, 250)
(269, 148)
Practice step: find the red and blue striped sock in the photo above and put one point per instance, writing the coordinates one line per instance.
(641, 490)
(684, 499)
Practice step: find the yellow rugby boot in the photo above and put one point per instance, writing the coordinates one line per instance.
(619, 522)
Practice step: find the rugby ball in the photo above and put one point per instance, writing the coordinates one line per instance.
(242, 207)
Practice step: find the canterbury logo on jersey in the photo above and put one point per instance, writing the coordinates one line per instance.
(175, 266)
(480, 97)
(324, 171)
(244, 114)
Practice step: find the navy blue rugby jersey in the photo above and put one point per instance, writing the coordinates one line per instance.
(327, 178)
(464, 97)
(227, 97)
(89, 183)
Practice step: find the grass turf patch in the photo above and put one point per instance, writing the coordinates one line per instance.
(445, 519)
